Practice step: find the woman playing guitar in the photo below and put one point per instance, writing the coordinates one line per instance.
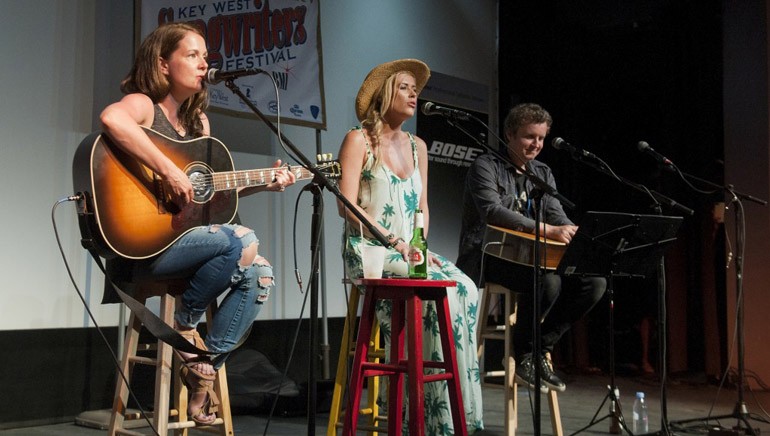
(165, 91)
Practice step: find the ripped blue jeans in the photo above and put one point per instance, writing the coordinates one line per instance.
(214, 258)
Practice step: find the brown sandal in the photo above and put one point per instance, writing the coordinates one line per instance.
(205, 414)
(198, 383)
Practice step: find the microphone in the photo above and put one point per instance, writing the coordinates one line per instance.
(214, 76)
(645, 148)
(430, 108)
(561, 144)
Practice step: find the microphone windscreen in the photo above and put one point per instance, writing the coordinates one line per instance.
(641, 146)
(558, 143)
(427, 107)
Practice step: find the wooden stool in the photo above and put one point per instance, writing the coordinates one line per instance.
(347, 351)
(407, 296)
(504, 332)
(162, 412)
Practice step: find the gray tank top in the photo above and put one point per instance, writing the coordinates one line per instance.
(162, 125)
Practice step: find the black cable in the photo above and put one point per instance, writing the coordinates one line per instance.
(88, 309)
(301, 313)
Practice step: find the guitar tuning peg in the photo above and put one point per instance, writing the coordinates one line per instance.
(319, 157)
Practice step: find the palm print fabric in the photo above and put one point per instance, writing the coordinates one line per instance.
(391, 201)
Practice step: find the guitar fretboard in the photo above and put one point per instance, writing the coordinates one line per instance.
(228, 180)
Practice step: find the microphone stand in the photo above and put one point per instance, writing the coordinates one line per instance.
(658, 200)
(541, 188)
(740, 411)
(319, 182)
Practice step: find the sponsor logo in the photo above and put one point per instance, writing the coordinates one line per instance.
(453, 154)
(296, 111)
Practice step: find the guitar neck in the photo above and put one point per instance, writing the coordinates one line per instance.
(228, 180)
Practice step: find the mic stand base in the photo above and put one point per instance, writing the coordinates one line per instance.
(617, 414)
(740, 414)
(740, 411)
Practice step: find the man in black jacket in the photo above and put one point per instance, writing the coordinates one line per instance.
(498, 193)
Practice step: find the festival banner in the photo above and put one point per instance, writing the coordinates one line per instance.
(281, 37)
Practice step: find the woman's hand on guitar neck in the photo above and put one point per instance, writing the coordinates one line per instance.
(283, 178)
(560, 233)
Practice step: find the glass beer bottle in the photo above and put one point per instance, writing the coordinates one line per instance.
(418, 249)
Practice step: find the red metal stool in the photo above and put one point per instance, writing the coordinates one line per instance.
(407, 296)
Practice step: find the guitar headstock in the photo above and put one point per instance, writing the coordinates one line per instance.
(328, 166)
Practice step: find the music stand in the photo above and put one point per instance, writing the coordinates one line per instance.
(610, 245)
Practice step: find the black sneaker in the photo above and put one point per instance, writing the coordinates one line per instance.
(525, 374)
(549, 378)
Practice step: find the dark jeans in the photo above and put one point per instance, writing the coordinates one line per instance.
(559, 309)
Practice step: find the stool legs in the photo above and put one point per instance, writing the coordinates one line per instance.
(486, 332)
(396, 380)
(448, 348)
(163, 369)
(356, 376)
(163, 362)
(406, 314)
(347, 350)
(162, 373)
(120, 401)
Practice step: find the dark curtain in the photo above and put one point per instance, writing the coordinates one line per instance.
(611, 74)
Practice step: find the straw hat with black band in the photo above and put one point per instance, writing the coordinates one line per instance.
(379, 74)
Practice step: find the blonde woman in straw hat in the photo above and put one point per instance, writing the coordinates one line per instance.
(385, 173)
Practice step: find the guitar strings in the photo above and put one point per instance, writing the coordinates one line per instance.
(235, 179)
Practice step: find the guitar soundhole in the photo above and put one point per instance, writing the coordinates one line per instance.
(203, 188)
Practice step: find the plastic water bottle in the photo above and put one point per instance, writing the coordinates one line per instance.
(614, 421)
(640, 419)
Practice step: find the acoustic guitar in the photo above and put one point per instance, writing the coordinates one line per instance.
(126, 212)
(518, 247)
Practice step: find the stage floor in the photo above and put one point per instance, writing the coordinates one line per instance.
(687, 398)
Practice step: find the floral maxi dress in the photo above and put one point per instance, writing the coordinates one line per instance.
(391, 201)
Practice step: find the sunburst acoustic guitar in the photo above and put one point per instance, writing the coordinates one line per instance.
(126, 211)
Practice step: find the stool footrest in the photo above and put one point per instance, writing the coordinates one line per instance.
(144, 360)
(381, 368)
(401, 367)
(124, 432)
(438, 377)
(380, 354)
(193, 424)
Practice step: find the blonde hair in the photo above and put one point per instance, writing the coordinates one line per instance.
(380, 105)
(146, 77)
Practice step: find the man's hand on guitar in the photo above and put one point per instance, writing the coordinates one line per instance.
(283, 178)
(560, 233)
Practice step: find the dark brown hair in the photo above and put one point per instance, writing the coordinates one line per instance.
(146, 78)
